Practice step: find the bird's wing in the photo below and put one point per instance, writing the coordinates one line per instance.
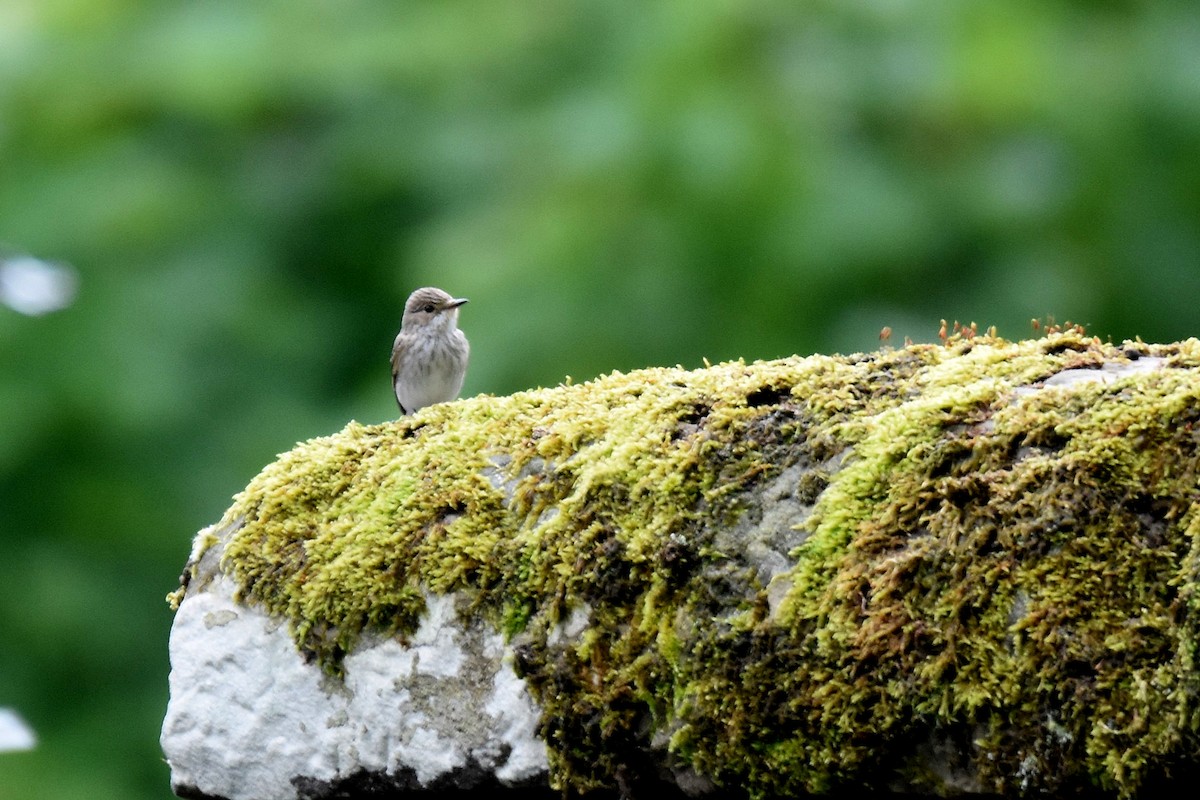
(395, 359)
(395, 369)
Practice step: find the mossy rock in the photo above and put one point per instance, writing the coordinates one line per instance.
(960, 567)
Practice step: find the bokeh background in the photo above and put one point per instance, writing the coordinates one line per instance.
(245, 193)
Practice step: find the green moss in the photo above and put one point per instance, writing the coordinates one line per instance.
(1007, 568)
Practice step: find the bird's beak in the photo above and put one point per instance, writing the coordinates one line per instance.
(456, 302)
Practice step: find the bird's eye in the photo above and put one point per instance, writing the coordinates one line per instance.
(428, 309)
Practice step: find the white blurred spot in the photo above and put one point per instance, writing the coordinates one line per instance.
(15, 734)
(35, 287)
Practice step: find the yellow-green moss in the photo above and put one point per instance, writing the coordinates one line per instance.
(1009, 568)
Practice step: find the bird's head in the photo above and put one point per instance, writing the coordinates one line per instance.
(429, 307)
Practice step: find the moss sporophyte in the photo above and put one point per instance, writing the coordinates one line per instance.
(977, 550)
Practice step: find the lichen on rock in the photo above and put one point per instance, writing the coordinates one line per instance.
(988, 544)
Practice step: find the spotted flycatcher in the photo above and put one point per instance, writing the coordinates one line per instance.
(429, 358)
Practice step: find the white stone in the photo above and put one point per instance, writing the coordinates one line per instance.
(517, 723)
(247, 715)
(1106, 373)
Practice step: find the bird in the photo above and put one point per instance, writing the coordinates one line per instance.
(429, 357)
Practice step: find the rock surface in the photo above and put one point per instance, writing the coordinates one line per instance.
(967, 568)
(250, 719)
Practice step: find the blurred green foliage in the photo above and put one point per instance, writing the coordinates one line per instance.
(250, 190)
